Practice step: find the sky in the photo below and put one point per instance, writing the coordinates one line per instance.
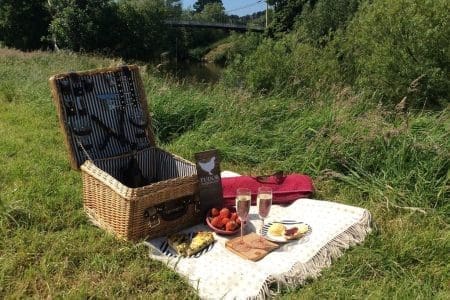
(236, 7)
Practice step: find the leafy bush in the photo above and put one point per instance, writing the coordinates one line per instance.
(389, 49)
(285, 14)
(263, 70)
(283, 67)
(293, 62)
(24, 23)
(400, 48)
(321, 18)
(244, 44)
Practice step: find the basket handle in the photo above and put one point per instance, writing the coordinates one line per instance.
(168, 211)
(174, 209)
(276, 178)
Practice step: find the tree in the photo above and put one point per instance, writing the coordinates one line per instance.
(319, 22)
(213, 12)
(24, 23)
(286, 13)
(133, 29)
(143, 33)
(203, 37)
(89, 25)
(200, 4)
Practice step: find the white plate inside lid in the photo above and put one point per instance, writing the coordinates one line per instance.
(280, 238)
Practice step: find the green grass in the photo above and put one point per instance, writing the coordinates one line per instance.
(356, 152)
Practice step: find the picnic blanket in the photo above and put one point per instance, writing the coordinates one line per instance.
(219, 273)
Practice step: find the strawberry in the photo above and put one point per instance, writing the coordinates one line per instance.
(231, 226)
(234, 216)
(225, 221)
(216, 222)
(224, 212)
(214, 212)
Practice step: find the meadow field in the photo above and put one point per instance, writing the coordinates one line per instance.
(395, 164)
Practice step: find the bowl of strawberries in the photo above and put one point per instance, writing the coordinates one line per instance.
(224, 221)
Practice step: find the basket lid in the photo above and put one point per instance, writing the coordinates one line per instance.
(103, 113)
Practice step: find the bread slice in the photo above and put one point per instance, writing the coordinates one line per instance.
(181, 244)
(201, 240)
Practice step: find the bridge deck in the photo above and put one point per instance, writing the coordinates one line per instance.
(236, 27)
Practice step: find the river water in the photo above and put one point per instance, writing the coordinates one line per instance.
(191, 71)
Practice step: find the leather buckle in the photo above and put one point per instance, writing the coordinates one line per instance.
(196, 202)
(151, 214)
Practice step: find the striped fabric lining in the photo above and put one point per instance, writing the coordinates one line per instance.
(155, 164)
(101, 108)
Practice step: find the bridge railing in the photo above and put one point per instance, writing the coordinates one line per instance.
(203, 24)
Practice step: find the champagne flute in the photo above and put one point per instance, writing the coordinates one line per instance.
(243, 201)
(264, 202)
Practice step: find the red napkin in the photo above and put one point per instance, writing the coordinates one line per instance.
(285, 191)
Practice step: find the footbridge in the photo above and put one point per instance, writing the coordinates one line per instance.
(226, 26)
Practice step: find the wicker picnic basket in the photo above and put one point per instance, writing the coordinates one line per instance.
(104, 117)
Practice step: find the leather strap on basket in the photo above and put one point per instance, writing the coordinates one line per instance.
(169, 211)
(173, 210)
(120, 89)
(276, 178)
(80, 144)
(127, 73)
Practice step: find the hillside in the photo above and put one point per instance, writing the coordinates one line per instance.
(394, 164)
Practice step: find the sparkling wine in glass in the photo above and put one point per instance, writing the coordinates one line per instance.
(264, 202)
(243, 201)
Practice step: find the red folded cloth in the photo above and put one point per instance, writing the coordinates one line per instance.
(285, 189)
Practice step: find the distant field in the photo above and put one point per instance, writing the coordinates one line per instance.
(357, 153)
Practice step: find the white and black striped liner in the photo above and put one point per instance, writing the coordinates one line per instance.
(168, 251)
(154, 163)
(99, 108)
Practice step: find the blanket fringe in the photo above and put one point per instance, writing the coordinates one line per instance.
(300, 272)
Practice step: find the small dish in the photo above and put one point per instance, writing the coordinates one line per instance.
(218, 230)
(281, 238)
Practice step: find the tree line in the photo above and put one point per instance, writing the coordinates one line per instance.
(383, 50)
(127, 28)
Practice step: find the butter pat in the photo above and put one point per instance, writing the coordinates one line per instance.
(276, 229)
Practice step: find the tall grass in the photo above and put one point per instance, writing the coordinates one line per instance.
(394, 164)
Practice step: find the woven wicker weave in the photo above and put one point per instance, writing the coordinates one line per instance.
(121, 210)
(129, 213)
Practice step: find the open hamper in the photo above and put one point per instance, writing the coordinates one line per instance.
(104, 117)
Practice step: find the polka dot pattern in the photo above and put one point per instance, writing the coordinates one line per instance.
(219, 273)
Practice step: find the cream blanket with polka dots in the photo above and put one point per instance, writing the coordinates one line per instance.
(220, 274)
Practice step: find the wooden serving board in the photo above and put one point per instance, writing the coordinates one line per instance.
(254, 250)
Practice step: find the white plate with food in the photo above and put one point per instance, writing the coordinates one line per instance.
(191, 244)
(285, 231)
